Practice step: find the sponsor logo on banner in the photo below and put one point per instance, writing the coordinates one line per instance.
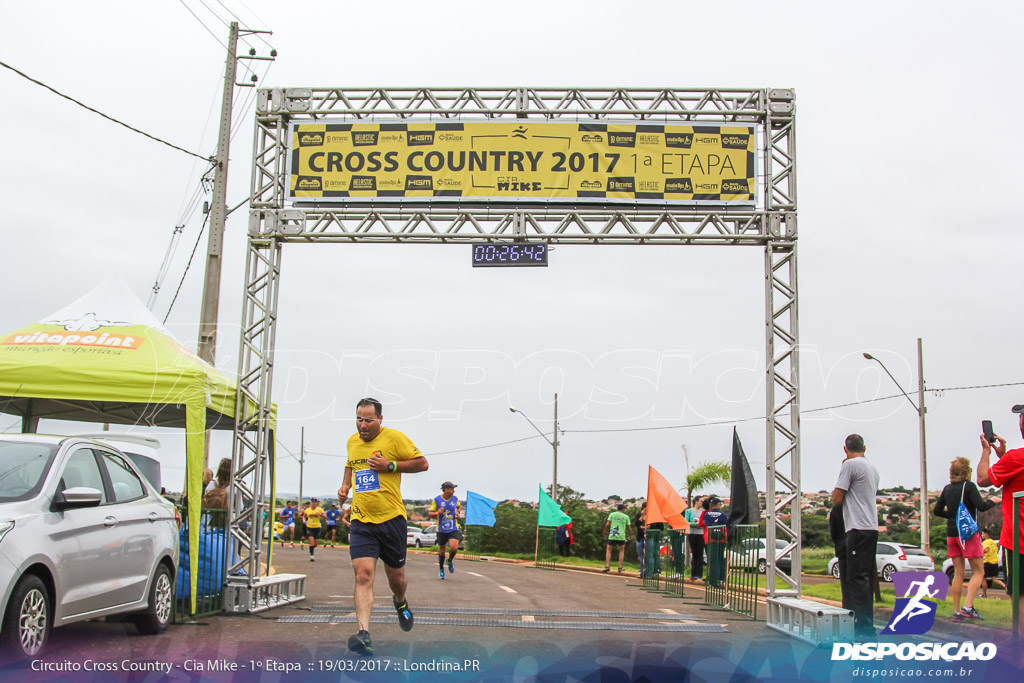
(364, 138)
(680, 185)
(361, 182)
(592, 138)
(591, 185)
(308, 184)
(82, 338)
(683, 140)
(419, 182)
(417, 138)
(311, 139)
(616, 139)
(734, 141)
(621, 185)
(735, 187)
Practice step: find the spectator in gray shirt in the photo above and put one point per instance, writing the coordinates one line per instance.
(855, 490)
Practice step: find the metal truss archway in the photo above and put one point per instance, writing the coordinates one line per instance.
(771, 224)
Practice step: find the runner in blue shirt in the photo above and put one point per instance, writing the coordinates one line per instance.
(288, 519)
(446, 508)
(332, 524)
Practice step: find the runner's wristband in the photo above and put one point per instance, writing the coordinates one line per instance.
(392, 466)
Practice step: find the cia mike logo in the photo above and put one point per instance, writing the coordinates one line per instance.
(914, 613)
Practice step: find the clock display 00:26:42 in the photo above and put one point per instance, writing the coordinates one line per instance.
(488, 255)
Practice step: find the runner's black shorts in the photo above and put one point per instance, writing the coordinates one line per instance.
(615, 543)
(991, 570)
(313, 532)
(385, 540)
(444, 536)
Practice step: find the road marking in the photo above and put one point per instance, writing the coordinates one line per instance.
(506, 589)
(527, 617)
(475, 574)
(668, 611)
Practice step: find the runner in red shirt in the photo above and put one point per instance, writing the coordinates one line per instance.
(1007, 473)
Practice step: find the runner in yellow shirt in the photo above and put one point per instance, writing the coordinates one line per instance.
(313, 516)
(377, 457)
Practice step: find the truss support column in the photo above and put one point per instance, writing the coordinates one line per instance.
(782, 443)
(782, 360)
(253, 427)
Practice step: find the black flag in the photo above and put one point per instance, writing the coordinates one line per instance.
(743, 504)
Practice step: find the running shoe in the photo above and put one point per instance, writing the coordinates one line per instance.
(972, 614)
(620, 570)
(958, 617)
(404, 615)
(451, 567)
(360, 644)
(312, 559)
(291, 545)
(441, 574)
(605, 570)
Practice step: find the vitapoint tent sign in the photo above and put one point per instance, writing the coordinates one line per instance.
(523, 161)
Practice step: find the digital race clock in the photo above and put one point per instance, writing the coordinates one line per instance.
(486, 254)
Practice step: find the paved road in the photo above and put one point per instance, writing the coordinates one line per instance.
(264, 648)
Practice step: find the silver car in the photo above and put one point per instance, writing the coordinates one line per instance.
(893, 557)
(82, 535)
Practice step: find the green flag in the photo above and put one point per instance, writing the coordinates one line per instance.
(549, 513)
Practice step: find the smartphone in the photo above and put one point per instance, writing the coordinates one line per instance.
(986, 429)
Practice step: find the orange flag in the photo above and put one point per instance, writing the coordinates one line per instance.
(663, 503)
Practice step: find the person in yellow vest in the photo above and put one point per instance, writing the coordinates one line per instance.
(313, 517)
(991, 557)
(377, 458)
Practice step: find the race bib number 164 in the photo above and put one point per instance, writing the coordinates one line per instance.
(366, 480)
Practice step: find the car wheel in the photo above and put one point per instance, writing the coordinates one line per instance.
(26, 625)
(887, 571)
(418, 543)
(161, 604)
(762, 566)
(950, 573)
(835, 570)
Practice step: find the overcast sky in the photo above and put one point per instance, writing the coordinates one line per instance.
(908, 183)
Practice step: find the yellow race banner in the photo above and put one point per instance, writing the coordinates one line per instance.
(523, 161)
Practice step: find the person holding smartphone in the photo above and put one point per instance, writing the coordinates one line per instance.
(1008, 474)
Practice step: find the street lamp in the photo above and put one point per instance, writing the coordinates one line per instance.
(921, 410)
(553, 444)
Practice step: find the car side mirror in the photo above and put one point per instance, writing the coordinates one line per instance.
(77, 497)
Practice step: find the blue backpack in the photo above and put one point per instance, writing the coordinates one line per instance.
(965, 523)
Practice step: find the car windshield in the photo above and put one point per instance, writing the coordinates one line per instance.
(23, 466)
(914, 551)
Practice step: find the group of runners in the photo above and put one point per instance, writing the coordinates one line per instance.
(376, 519)
(309, 525)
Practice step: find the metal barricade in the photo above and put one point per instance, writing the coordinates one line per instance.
(547, 548)
(212, 552)
(733, 569)
(674, 567)
(652, 559)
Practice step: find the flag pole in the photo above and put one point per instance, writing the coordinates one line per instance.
(536, 546)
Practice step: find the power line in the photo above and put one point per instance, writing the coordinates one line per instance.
(203, 24)
(477, 448)
(187, 266)
(726, 422)
(96, 111)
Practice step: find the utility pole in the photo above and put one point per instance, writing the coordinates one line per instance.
(554, 449)
(926, 539)
(206, 346)
(302, 460)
